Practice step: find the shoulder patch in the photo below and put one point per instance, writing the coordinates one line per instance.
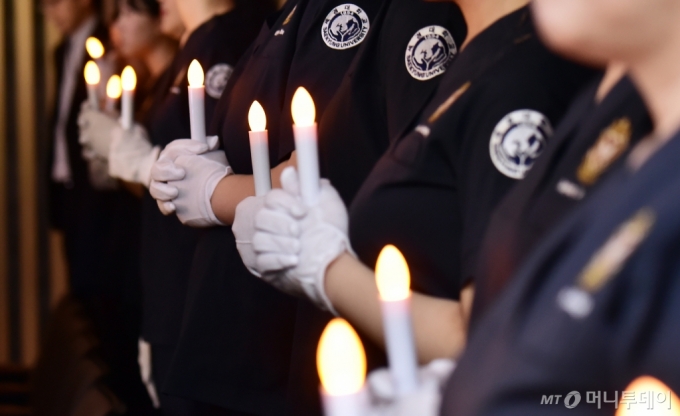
(430, 52)
(216, 80)
(611, 144)
(345, 27)
(518, 140)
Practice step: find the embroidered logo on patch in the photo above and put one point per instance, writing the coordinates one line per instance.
(517, 141)
(611, 144)
(430, 52)
(216, 80)
(345, 27)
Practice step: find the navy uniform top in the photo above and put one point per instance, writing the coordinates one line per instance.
(587, 144)
(168, 246)
(394, 74)
(593, 309)
(236, 340)
(490, 119)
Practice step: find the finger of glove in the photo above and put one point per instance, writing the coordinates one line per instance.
(213, 143)
(166, 207)
(282, 201)
(275, 244)
(270, 262)
(381, 385)
(183, 147)
(162, 191)
(277, 223)
(165, 171)
(290, 181)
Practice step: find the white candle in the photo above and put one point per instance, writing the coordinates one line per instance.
(114, 90)
(197, 101)
(306, 146)
(94, 48)
(259, 149)
(129, 83)
(92, 79)
(393, 280)
(341, 362)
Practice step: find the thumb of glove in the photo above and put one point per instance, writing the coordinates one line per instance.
(290, 181)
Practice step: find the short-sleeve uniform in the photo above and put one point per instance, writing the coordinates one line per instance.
(236, 338)
(593, 138)
(594, 308)
(395, 73)
(436, 186)
(168, 246)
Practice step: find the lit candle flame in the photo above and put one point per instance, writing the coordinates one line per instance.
(114, 88)
(392, 275)
(129, 79)
(304, 112)
(340, 359)
(94, 48)
(650, 386)
(92, 74)
(196, 75)
(257, 118)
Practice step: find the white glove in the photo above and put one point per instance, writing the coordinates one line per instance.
(95, 131)
(132, 155)
(185, 177)
(425, 401)
(144, 360)
(295, 243)
(244, 230)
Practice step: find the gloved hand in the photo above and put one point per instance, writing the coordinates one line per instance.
(185, 177)
(98, 173)
(295, 243)
(95, 131)
(144, 361)
(425, 401)
(132, 155)
(244, 230)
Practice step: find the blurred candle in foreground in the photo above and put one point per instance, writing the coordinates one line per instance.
(197, 101)
(114, 90)
(94, 48)
(129, 83)
(393, 281)
(92, 79)
(305, 132)
(341, 362)
(646, 396)
(259, 148)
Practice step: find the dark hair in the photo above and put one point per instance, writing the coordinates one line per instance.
(145, 6)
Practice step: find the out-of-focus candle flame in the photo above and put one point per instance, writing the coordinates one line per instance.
(304, 112)
(341, 359)
(658, 390)
(129, 79)
(196, 75)
(92, 74)
(392, 275)
(114, 89)
(257, 118)
(94, 48)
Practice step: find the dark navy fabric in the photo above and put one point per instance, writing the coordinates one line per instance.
(530, 344)
(537, 204)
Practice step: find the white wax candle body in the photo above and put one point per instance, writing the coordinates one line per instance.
(307, 162)
(127, 109)
(197, 113)
(92, 95)
(259, 153)
(401, 351)
(111, 104)
(346, 405)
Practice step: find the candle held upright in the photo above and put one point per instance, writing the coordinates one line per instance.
(197, 101)
(341, 362)
(92, 79)
(114, 90)
(259, 149)
(129, 83)
(393, 281)
(306, 145)
(94, 48)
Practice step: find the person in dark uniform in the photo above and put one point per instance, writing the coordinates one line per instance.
(596, 306)
(595, 136)
(240, 362)
(434, 187)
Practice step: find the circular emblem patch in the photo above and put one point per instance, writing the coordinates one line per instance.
(517, 141)
(430, 52)
(216, 80)
(345, 27)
